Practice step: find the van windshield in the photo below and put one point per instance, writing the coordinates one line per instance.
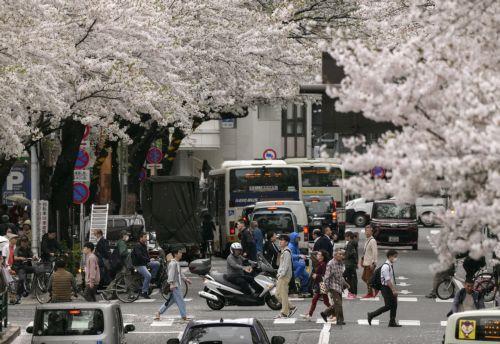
(276, 222)
(394, 211)
(69, 322)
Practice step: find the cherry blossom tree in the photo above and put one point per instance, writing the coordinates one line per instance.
(432, 69)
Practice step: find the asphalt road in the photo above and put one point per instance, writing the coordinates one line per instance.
(421, 318)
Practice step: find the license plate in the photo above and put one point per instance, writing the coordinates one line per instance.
(393, 239)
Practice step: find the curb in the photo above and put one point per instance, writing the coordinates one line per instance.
(10, 333)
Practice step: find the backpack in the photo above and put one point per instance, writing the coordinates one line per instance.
(376, 280)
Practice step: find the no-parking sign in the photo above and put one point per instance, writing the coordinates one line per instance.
(82, 160)
(378, 172)
(154, 156)
(81, 193)
(269, 154)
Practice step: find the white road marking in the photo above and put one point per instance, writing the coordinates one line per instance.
(321, 321)
(444, 323)
(297, 299)
(285, 320)
(188, 300)
(155, 292)
(145, 300)
(405, 292)
(324, 335)
(402, 278)
(439, 300)
(167, 322)
(375, 322)
(371, 299)
(403, 284)
(409, 322)
(407, 299)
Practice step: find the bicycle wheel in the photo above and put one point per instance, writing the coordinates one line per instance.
(445, 289)
(127, 289)
(41, 287)
(485, 285)
(165, 290)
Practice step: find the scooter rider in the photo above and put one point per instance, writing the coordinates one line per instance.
(236, 270)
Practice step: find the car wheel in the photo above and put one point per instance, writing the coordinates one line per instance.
(427, 219)
(360, 220)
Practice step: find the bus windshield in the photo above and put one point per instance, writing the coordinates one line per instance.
(250, 185)
(321, 176)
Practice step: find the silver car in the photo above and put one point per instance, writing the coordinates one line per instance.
(63, 323)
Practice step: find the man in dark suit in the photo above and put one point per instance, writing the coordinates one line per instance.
(271, 250)
(321, 242)
(103, 254)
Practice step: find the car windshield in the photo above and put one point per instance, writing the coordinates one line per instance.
(70, 322)
(318, 206)
(394, 211)
(221, 335)
(276, 222)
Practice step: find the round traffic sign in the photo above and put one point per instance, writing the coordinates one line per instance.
(81, 193)
(82, 159)
(269, 154)
(378, 172)
(154, 155)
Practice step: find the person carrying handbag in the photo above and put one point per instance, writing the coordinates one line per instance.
(319, 288)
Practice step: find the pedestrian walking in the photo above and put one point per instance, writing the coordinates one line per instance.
(175, 276)
(369, 260)
(322, 242)
(92, 273)
(247, 241)
(258, 237)
(284, 275)
(388, 289)
(335, 283)
(103, 254)
(317, 276)
(271, 249)
(351, 264)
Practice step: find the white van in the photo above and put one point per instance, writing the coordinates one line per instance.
(298, 210)
(481, 326)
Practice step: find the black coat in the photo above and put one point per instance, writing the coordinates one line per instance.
(102, 250)
(271, 253)
(140, 255)
(324, 243)
(248, 244)
(351, 255)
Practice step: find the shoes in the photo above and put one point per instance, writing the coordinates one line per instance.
(145, 296)
(351, 296)
(340, 323)
(332, 319)
(394, 324)
(186, 318)
(367, 296)
(292, 311)
(323, 315)
(306, 317)
(431, 295)
(281, 316)
(369, 317)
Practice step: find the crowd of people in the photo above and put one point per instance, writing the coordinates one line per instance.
(334, 269)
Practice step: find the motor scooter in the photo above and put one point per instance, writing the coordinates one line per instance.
(219, 292)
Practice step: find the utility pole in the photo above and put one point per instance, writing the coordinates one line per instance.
(35, 199)
(123, 163)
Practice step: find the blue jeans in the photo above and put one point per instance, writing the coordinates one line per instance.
(143, 270)
(175, 297)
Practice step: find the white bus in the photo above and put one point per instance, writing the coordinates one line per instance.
(323, 177)
(238, 184)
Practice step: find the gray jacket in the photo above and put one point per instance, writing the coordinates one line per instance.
(285, 267)
(174, 274)
(234, 265)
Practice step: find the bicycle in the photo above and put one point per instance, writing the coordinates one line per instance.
(446, 288)
(43, 274)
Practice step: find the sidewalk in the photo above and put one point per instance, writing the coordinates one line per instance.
(9, 334)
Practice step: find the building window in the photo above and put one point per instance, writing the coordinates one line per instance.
(294, 120)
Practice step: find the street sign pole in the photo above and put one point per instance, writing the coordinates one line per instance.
(35, 198)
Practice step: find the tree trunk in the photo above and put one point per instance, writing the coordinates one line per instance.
(115, 179)
(5, 166)
(174, 145)
(95, 178)
(61, 199)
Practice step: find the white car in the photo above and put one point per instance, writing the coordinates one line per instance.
(358, 210)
